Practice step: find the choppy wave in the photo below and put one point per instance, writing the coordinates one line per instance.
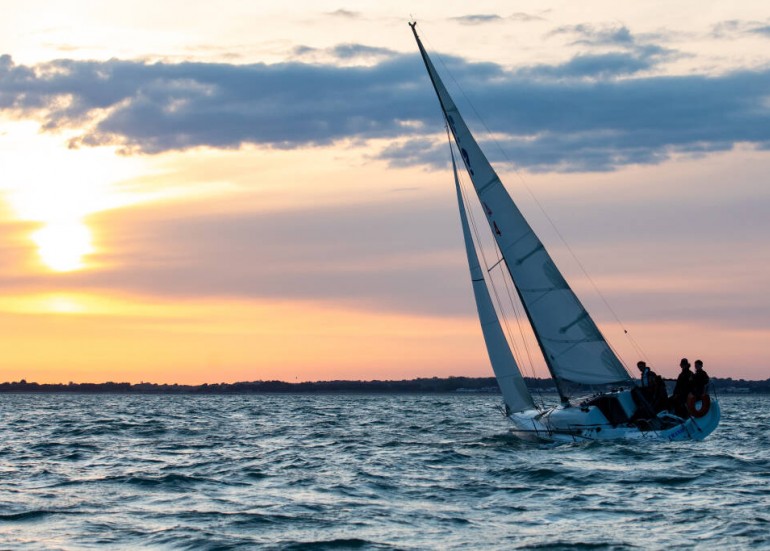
(363, 472)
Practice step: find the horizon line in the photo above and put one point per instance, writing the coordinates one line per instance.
(364, 381)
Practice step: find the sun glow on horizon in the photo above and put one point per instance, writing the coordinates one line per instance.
(59, 188)
(63, 244)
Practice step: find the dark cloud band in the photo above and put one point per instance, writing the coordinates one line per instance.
(594, 112)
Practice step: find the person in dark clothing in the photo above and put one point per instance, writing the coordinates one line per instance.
(678, 401)
(659, 395)
(700, 380)
(644, 394)
(647, 376)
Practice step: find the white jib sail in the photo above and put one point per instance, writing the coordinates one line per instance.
(572, 345)
(515, 393)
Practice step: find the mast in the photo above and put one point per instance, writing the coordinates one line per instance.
(573, 348)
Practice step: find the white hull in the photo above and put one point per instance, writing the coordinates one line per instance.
(587, 423)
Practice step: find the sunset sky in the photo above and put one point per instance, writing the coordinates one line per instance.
(226, 191)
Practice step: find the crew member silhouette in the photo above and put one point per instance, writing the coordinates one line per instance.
(682, 389)
(700, 380)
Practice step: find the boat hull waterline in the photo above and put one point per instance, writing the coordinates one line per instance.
(582, 424)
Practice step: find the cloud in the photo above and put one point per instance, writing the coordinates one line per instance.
(159, 107)
(477, 19)
(616, 41)
(526, 17)
(593, 112)
(348, 51)
(596, 66)
(416, 151)
(342, 55)
(480, 19)
(16, 249)
(736, 27)
(402, 256)
(592, 35)
(576, 125)
(699, 258)
(347, 14)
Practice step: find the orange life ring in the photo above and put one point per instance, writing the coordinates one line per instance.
(693, 403)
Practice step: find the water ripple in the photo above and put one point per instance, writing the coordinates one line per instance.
(362, 472)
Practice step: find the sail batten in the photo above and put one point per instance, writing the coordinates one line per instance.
(572, 345)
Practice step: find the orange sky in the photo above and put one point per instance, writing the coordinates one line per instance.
(341, 257)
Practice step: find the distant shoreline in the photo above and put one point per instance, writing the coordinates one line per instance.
(432, 385)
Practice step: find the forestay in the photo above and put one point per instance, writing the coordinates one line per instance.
(572, 345)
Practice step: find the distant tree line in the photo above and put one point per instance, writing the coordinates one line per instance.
(419, 386)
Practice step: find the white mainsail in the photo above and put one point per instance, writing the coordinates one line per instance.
(573, 347)
(514, 390)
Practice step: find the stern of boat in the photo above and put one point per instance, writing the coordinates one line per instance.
(697, 428)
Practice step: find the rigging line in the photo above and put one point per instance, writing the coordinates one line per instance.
(486, 264)
(495, 265)
(518, 316)
(530, 365)
(516, 313)
(516, 171)
(574, 256)
(480, 247)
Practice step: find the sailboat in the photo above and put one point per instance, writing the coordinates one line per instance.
(575, 351)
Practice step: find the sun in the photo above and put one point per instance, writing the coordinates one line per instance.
(62, 245)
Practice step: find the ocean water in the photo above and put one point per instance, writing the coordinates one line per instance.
(363, 472)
